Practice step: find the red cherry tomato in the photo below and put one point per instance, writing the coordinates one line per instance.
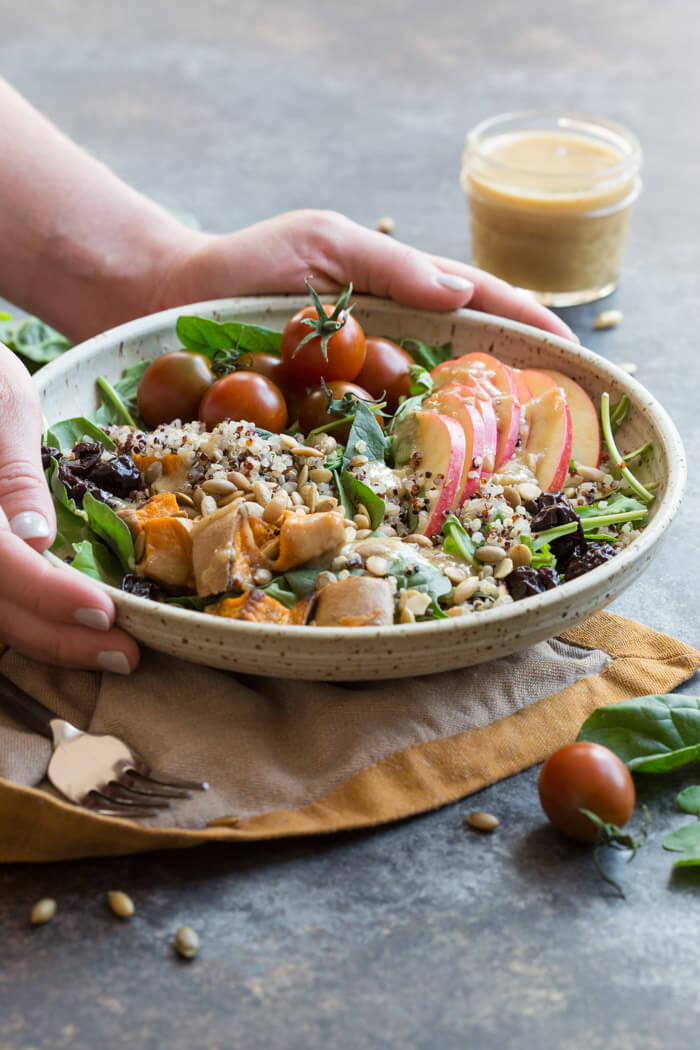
(244, 395)
(172, 387)
(307, 363)
(269, 365)
(385, 371)
(313, 410)
(584, 775)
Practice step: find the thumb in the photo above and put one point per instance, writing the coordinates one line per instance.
(24, 496)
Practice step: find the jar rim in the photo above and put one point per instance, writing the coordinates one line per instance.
(599, 129)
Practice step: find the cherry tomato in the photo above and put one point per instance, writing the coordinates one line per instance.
(385, 371)
(269, 365)
(584, 775)
(244, 395)
(172, 387)
(307, 364)
(313, 410)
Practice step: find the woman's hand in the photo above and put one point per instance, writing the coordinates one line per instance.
(276, 255)
(48, 613)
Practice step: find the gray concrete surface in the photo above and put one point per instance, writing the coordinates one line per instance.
(419, 935)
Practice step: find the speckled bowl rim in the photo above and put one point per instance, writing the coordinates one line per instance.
(568, 593)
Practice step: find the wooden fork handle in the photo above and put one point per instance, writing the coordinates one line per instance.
(25, 708)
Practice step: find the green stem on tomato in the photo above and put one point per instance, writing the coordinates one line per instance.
(615, 457)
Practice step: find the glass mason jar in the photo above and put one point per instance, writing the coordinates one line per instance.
(550, 196)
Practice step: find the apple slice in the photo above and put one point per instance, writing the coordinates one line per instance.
(524, 392)
(435, 446)
(549, 437)
(499, 382)
(456, 402)
(585, 428)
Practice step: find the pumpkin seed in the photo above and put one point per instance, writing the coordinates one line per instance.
(325, 504)
(418, 539)
(590, 473)
(464, 590)
(324, 578)
(275, 509)
(520, 554)
(386, 224)
(503, 569)
(184, 500)
(309, 494)
(262, 576)
(262, 493)
(43, 911)
(305, 450)
(303, 476)
(361, 521)
(208, 505)
(528, 490)
(481, 820)
(254, 510)
(219, 486)
(377, 565)
(286, 441)
(417, 602)
(186, 942)
(406, 616)
(455, 573)
(490, 554)
(511, 496)
(239, 480)
(152, 473)
(456, 610)
(121, 904)
(320, 474)
(608, 319)
(362, 534)
(358, 461)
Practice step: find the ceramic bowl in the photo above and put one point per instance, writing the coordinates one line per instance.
(67, 386)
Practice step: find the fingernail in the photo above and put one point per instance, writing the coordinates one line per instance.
(452, 281)
(29, 525)
(95, 618)
(114, 661)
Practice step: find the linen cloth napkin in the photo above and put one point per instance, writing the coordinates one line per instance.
(287, 757)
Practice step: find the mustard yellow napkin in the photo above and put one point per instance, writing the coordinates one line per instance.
(287, 757)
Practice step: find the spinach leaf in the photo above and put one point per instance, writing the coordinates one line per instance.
(651, 734)
(365, 432)
(67, 433)
(416, 572)
(280, 591)
(60, 496)
(70, 529)
(426, 355)
(113, 409)
(112, 529)
(32, 340)
(686, 839)
(457, 540)
(301, 582)
(96, 560)
(191, 601)
(204, 336)
(357, 492)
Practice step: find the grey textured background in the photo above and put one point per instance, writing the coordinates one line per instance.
(419, 935)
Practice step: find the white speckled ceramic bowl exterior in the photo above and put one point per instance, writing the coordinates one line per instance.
(67, 387)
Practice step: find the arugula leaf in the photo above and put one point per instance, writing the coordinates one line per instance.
(426, 355)
(590, 524)
(96, 560)
(32, 340)
(357, 492)
(420, 381)
(617, 504)
(66, 434)
(366, 432)
(458, 541)
(651, 734)
(541, 556)
(112, 529)
(204, 336)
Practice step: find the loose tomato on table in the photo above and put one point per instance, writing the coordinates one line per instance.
(172, 387)
(314, 410)
(385, 372)
(323, 342)
(244, 395)
(584, 775)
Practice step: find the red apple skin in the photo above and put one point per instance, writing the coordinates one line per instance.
(484, 405)
(456, 402)
(585, 428)
(441, 444)
(549, 437)
(498, 381)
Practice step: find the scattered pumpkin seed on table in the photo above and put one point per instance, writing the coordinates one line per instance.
(482, 821)
(608, 319)
(42, 911)
(186, 942)
(121, 904)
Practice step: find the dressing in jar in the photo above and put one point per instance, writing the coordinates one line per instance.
(550, 197)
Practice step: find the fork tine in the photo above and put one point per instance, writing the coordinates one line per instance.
(158, 776)
(139, 786)
(97, 803)
(116, 792)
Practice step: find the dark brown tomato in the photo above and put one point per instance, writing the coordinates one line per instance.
(172, 387)
(269, 365)
(307, 364)
(244, 395)
(584, 775)
(313, 412)
(385, 371)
